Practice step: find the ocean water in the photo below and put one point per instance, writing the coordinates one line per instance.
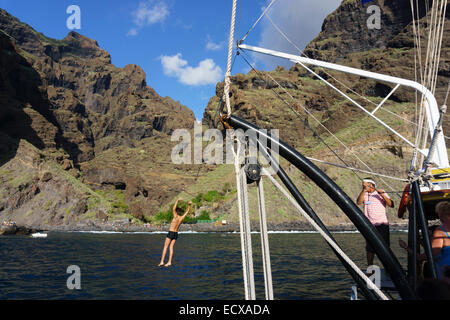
(206, 266)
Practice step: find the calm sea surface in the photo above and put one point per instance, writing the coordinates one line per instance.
(205, 266)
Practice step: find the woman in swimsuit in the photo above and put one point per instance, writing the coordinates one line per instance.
(172, 236)
(441, 238)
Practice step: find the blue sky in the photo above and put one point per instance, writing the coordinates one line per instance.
(181, 45)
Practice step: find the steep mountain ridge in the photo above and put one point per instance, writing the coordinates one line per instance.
(102, 124)
(345, 30)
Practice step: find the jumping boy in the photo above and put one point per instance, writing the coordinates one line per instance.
(172, 236)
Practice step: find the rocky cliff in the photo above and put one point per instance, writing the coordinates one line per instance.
(345, 30)
(71, 109)
(346, 39)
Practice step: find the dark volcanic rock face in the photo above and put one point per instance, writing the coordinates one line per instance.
(346, 39)
(90, 98)
(345, 30)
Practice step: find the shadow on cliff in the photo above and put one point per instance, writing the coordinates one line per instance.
(25, 108)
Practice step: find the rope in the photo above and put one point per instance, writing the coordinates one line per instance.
(239, 21)
(356, 169)
(417, 59)
(439, 36)
(264, 242)
(415, 68)
(247, 238)
(226, 91)
(221, 102)
(241, 183)
(446, 96)
(244, 224)
(256, 22)
(330, 241)
(435, 23)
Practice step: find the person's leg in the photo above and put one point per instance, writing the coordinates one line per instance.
(170, 253)
(370, 255)
(370, 258)
(385, 234)
(163, 256)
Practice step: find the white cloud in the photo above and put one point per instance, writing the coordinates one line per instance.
(148, 13)
(180, 23)
(214, 46)
(301, 21)
(133, 32)
(211, 45)
(207, 72)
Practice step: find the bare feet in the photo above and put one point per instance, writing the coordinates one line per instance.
(161, 264)
(168, 264)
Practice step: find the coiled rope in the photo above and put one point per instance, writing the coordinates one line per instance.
(226, 90)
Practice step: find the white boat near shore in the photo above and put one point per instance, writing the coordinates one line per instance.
(39, 235)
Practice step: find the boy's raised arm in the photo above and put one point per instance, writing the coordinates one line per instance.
(188, 209)
(175, 207)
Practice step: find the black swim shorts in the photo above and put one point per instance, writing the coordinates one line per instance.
(172, 235)
(383, 230)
